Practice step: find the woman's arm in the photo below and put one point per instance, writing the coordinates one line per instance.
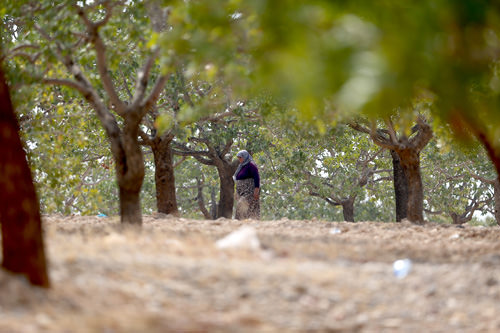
(256, 193)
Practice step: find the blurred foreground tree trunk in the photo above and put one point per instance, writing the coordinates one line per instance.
(22, 241)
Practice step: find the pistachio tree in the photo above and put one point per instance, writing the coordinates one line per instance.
(215, 140)
(457, 181)
(74, 45)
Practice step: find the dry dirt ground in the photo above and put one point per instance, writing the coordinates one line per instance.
(305, 276)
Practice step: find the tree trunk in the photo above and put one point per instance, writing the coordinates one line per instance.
(458, 219)
(130, 206)
(226, 200)
(22, 236)
(496, 195)
(130, 175)
(213, 203)
(410, 161)
(400, 188)
(166, 200)
(201, 200)
(348, 209)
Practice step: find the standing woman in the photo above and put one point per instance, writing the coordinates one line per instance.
(247, 188)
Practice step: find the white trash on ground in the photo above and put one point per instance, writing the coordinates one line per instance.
(243, 238)
(401, 268)
(334, 231)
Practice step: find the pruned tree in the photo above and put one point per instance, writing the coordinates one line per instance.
(160, 142)
(494, 182)
(449, 172)
(76, 36)
(337, 167)
(340, 184)
(408, 150)
(213, 142)
(217, 154)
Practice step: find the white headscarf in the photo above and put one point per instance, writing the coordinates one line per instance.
(247, 158)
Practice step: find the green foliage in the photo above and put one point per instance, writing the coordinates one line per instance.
(449, 175)
(320, 61)
(186, 176)
(69, 155)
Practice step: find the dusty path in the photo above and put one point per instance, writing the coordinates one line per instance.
(305, 276)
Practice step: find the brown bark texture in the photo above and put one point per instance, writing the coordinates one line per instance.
(22, 237)
(348, 210)
(410, 161)
(400, 188)
(201, 200)
(166, 199)
(496, 195)
(226, 200)
(129, 168)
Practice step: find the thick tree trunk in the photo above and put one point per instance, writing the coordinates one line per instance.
(410, 161)
(130, 206)
(166, 200)
(226, 200)
(348, 209)
(22, 242)
(400, 188)
(130, 175)
(458, 219)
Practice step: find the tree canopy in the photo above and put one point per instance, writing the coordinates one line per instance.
(317, 62)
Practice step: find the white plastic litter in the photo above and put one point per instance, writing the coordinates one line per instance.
(243, 238)
(334, 231)
(401, 268)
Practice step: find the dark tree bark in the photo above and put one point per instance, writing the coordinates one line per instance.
(166, 199)
(460, 218)
(129, 167)
(469, 211)
(201, 200)
(410, 161)
(213, 204)
(496, 196)
(400, 188)
(22, 235)
(347, 204)
(226, 200)
(348, 210)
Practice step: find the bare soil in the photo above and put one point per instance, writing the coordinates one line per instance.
(312, 276)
